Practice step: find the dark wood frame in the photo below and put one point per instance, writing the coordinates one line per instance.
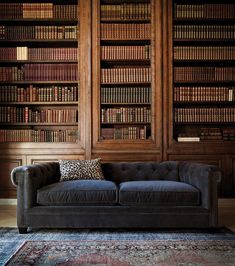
(143, 149)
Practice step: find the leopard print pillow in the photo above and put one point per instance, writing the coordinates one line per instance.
(80, 169)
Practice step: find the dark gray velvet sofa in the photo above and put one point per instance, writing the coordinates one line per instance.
(169, 194)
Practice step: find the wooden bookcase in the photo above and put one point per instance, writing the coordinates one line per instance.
(127, 69)
(199, 85)
(203, 70)
(41, 90)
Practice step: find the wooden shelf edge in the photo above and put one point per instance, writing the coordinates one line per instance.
(38, 103)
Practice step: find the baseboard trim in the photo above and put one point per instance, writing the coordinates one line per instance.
(8, 201)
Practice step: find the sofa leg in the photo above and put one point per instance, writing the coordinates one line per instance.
(22, 230)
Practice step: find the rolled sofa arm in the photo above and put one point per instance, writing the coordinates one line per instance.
(28, 180)
(206, 178)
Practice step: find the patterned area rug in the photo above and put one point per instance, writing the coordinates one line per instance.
(113, 247)
(126, 253)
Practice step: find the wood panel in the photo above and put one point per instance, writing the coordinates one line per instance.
(121, 156)
(85, 75)
(229, 188)
(34, 159)
(202, 158)
(7, 163)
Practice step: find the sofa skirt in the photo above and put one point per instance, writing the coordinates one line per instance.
(117, 217)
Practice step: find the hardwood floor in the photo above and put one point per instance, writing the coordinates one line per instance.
(226, 214)
(7, 216)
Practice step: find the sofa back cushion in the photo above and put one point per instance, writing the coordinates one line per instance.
(137, 171)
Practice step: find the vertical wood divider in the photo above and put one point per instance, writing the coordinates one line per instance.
(85, 76)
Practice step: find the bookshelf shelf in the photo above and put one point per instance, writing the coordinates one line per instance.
(39, 41)
(204, 41)
(126, 1)
(196, 21)
(38, 61)
(38, 103)
(35, 141)
(103, 20)
(37, 82)
(129, 62)
(204, 62)
(126, 123)
(127, 83)
(125, 41)
(128, 141)
(35, 21)
(208, 82)
(39, 124)
(141, 104)
(204, 123)
(191, 103)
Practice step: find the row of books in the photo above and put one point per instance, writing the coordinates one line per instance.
(126, 11)
(126, 75)
(217, 134)
(126, 115)
(208, 134)
(186, 138)
(137, 52)
(204, 94)
(39, 72)
(204, 31)
(229, 134)
(33, 93)
(37, 11)
(38, 135)
(204, 134)
(204, 73)
(204, 115)
(125, 94)
(69, 32)
(134, 132)
(26, 53)
(113, 31)
(209, 11)
(204, 52)
(12, 114)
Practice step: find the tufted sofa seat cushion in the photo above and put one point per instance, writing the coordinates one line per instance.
(136, 171)
(158, 193)
(78, 192)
